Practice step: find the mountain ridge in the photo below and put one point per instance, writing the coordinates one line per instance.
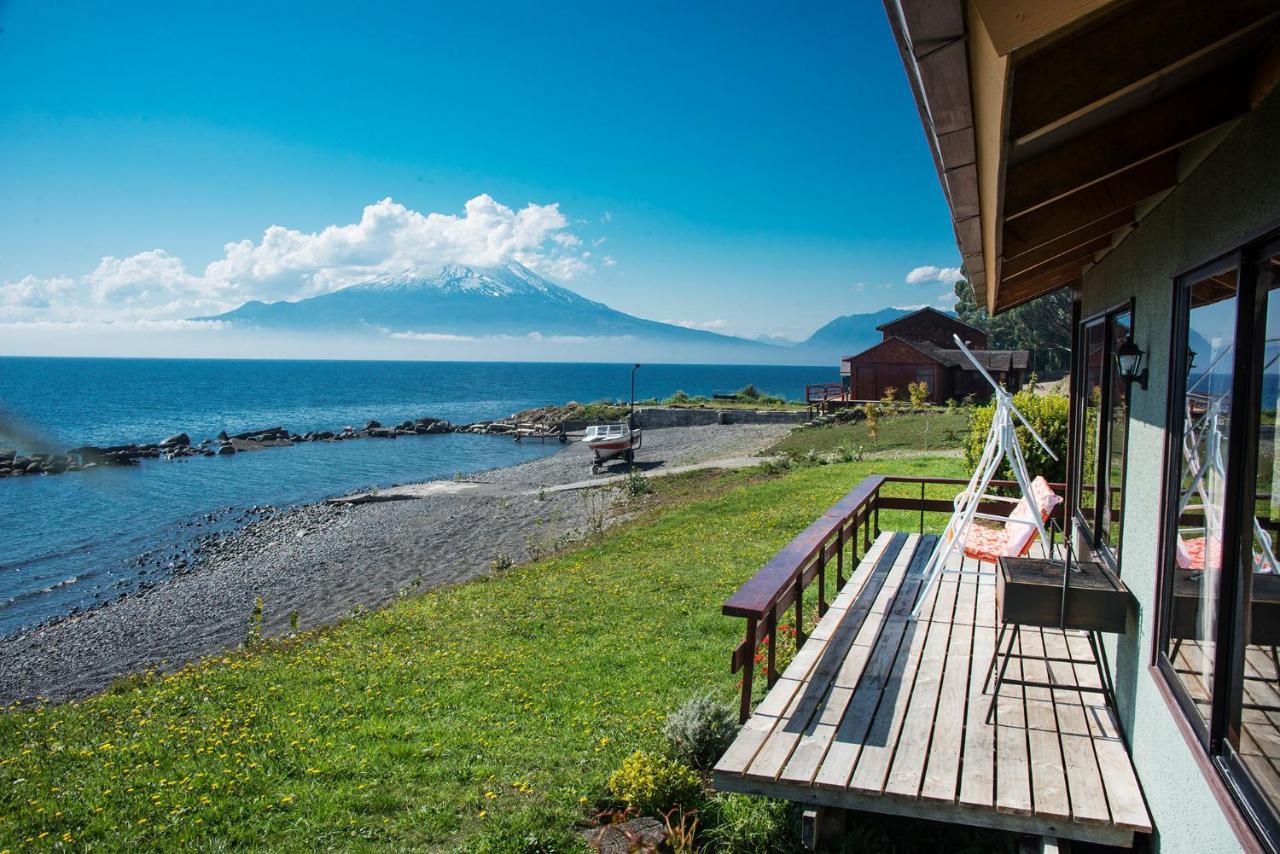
(465, 302)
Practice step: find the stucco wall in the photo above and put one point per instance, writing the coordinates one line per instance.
(1228, 200)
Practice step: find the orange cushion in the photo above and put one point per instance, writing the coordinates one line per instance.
(983, 543)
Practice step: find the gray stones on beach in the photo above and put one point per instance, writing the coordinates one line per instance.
(180, 446)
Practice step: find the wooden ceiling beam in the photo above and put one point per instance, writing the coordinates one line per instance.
(1164, 126)
(1026, 268)
(1130, 48)
(1014, 24)
(1036, 286)
(989, 80)
(1022, 256)
(1007, 302)
(1092, 203)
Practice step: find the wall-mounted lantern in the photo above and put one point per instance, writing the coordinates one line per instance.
(1129, 364)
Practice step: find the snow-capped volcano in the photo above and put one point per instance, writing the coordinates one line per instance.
(463, 300)
(503, 281)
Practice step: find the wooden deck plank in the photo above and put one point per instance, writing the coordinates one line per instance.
(985, 612)
(842, 754)
(873, 762)
(966, 601)
(814, 743)
(884, 712)
(1124, 795)
(1013, 774)
(1048, 777)
(1084, 781)
(887, 705)
(906, 774)
(977, 784)
(833, 655)
(942, 771)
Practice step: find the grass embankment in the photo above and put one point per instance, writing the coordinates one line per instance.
(939, 430)
(475, 716)
(609, 410)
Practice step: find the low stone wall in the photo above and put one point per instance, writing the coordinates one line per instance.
(655, 418)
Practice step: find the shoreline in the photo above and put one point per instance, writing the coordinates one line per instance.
(314, 564)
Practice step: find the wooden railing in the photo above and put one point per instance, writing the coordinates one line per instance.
(850, 524)
(820, 392)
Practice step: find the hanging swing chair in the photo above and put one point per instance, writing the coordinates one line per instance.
(1205, 418)
(1031, 511)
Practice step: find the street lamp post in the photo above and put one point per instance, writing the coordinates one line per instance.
(631, 425)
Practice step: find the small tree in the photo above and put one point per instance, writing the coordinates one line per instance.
(890, 397)
(919, 394)
(872, 413)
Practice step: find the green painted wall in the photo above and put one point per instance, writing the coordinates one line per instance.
(1232, 196)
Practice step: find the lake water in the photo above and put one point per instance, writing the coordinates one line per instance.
(72, 540)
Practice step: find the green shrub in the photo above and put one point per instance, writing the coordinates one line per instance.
(1048, 413)
(778, 466)
(745, 824)
(700, 730)
(655, 784)
(636, 484)
(749, 391)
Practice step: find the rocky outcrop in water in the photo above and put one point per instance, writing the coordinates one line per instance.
(180, 446)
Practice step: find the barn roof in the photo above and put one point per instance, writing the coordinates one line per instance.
(992, 360)
(937, 316)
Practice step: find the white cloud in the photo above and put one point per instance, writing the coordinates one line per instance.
(910, 307)
(445, 338)
(290, 264)
(929, 273)
(716, 325)
(433, 336)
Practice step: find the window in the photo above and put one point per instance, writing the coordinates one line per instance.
(1220, 610)
(1103, 427)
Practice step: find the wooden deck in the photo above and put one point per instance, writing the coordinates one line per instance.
(883, 712)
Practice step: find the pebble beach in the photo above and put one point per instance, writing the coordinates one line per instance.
(317, 563)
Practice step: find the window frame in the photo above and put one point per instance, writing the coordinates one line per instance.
(1214, 737)
(1089, 526)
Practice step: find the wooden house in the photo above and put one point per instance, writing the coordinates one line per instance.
(920, 347)
(1125, 150)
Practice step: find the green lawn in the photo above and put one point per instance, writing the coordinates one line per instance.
(934, 431)
(465, 718)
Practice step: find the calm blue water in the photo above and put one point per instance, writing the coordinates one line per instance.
(73, 540)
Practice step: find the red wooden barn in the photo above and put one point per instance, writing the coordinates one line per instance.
(919, 347)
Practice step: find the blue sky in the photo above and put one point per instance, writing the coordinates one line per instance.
(753, 167)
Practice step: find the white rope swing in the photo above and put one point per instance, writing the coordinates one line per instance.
(1001, 446)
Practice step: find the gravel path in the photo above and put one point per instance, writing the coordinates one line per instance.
(321, 562)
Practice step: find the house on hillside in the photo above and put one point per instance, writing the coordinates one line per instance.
(1125, 151)
(919, 347)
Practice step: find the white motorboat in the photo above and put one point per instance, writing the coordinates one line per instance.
(610, 441)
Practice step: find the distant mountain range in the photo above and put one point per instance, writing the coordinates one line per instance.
(851, 333)
(460, 302)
